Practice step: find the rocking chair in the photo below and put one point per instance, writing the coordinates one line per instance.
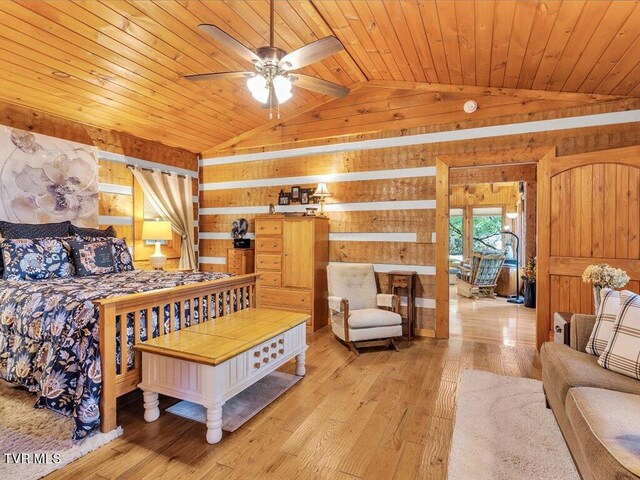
(479, 279)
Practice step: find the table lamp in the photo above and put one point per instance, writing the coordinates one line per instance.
(322, 192)
(157, 231)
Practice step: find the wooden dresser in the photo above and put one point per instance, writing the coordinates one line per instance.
(240, 260)
(292, 253)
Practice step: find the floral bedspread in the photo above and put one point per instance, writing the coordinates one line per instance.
(49, 336)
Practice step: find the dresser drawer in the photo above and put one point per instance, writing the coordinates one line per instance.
(269, 244)
(268, 262)
(268, 227)
(287, 297)
(271, 279)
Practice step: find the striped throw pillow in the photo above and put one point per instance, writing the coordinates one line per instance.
(622, 355)
(605, 319)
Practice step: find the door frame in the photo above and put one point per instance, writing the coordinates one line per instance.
(443, 165)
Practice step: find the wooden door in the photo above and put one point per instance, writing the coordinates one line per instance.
(297, 258)
(589, 212)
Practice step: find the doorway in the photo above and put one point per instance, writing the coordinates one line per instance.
(484, 200)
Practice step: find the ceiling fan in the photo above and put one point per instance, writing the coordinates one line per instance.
(274, 75)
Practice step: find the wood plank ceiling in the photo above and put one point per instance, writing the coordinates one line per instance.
(118, 64)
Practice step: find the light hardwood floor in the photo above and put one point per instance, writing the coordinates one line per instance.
(491, 320)
(382, 415)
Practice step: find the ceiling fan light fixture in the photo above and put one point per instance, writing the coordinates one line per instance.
(282, 87)
(259, 88)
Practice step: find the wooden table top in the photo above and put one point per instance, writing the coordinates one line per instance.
(216, 341)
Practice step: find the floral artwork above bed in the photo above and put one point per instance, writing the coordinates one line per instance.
(45, 179)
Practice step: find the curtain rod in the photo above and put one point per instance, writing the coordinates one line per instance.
(152, 170)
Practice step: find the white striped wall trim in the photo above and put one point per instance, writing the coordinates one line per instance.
(213, 260)
(329, 207)
(378, 267)
(327, 177)
(115, 220)
(420, 302)
(113, 188)
(138, 162)
(437, 137)
(334, 237)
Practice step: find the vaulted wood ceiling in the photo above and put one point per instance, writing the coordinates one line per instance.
(118, 64)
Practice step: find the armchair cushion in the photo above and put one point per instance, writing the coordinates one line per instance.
(385, 300)
(373, 317)
(355, 282)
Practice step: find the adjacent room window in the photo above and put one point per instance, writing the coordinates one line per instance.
(456, 234)
(487, 228)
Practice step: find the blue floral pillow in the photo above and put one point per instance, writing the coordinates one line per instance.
(122, 260)
(35, 259)
(92, 258)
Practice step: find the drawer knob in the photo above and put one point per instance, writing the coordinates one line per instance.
(265, 349)
(281, 351)
(281, 341)
(256, 354)
(265, 360)
(274, 355)
(558, 329)
(273, 345)
(256, 365)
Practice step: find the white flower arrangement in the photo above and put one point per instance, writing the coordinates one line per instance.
(605, 276)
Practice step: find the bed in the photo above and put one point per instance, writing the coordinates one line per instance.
(70, 340)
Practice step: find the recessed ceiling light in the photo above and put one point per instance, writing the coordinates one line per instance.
(58, 73)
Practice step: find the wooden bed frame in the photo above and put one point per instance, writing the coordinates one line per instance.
(116, 384)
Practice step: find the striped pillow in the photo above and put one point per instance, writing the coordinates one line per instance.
(622, 355)
(605, 319)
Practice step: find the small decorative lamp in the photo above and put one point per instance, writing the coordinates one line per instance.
(322, 192)
(157, 231)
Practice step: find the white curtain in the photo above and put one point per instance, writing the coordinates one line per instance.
(172, 197)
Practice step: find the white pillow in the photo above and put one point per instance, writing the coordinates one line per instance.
(605, 319)
(622, 355)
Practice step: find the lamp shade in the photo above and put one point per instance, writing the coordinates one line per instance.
(322, 191)
(156, 230)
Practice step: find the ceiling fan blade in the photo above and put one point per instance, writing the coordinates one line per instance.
(319, 85)
(231, 43)
(219, 76)
(311, 53)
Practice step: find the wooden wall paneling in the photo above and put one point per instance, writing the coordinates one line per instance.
(545, 284)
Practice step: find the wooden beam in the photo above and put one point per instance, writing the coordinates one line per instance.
(497, 91)
(496, 157)
(273, 124)
(442, 249)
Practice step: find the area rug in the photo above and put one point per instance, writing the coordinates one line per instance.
(35, 442)
(503, 431)
(244, 406)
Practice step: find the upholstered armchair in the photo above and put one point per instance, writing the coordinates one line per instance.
(360, 316)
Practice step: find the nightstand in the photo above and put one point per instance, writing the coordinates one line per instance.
(240, 260)
(562, 327)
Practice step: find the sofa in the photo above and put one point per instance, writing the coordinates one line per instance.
(598, 410)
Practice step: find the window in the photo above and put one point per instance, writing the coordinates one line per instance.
(456, 234)
(487, 229)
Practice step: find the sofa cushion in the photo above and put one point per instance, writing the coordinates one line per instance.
(363, 334)
(605, 319)
(623, 350)
(607, 427)
(563, 368)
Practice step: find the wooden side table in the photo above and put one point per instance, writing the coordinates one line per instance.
(406, 280)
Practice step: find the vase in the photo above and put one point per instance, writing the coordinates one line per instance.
(596, 297)
(529, 294)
